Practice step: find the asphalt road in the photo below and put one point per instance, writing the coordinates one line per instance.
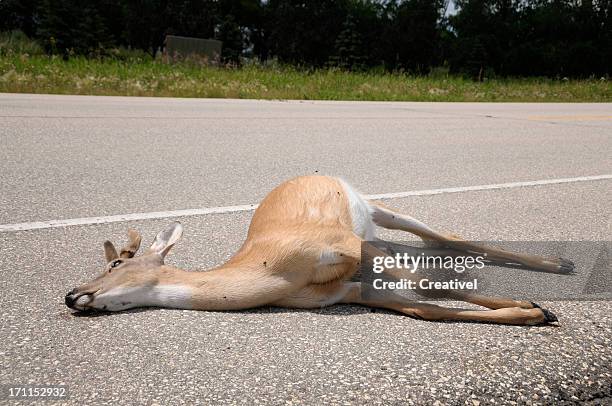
(65, 157)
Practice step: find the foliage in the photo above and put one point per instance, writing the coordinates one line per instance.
(17, 43)
(484, 39)
(230, 34)
(537, 37)
(348, 48)
(414, 35)
(136, 75)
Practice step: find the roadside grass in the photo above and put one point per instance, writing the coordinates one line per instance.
(144, 76)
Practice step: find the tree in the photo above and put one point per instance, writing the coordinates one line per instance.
(70, 27)
(348, 51)
(230, 34)
(146, 23)
(537, 37)
(240, 27)
(304, 32)
(191, 18)
(509, 37)
(414, 35)
(19, 15)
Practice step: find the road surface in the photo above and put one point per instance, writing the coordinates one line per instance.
(89, 162)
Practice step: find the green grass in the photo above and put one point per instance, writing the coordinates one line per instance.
(142, 76)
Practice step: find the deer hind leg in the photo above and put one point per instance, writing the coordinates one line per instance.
(503, 310)
(391, 219)
(425, 311)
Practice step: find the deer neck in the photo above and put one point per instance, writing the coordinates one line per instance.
(223, 288)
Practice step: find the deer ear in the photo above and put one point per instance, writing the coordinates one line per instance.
(109, 251)
(132, 247)
(166, 239)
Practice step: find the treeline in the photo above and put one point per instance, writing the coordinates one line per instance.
(481, 38)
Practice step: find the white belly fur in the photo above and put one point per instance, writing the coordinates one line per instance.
(361, 213)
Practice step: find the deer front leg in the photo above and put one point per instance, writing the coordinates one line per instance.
(507, 315)
(495, 302)
(389, 218)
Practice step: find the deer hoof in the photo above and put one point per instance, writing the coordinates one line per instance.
(549, 317)
(565, 265)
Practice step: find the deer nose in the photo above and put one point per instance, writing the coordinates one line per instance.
(70, 299)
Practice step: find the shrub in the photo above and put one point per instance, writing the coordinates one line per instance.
(16, 42)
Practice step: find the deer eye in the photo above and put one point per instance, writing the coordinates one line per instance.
(116, 263)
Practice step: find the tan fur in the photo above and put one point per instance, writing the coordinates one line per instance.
(298, 223)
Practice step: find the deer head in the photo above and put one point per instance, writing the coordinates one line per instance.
(127, 280)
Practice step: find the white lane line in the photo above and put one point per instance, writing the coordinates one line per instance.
(494, 186)
(5, 228)
(37, 225)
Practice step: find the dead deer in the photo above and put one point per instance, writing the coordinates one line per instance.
(302, 248)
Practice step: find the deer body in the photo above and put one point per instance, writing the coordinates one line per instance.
(297, 238)
(302, 248)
